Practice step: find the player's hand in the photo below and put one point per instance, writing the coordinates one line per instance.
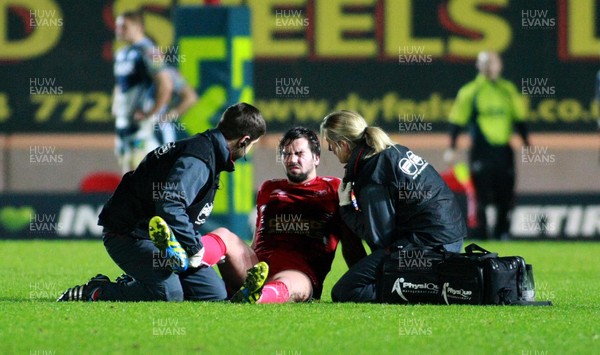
(139, 115)
(344, 193)
(195, 260)
(450, 156)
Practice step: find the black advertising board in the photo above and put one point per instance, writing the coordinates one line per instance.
(74, 216)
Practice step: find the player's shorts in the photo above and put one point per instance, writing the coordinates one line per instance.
(167, 133)
(139, 139)
(281, 260)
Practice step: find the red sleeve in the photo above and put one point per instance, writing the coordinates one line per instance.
(335, 185)
(263, 191)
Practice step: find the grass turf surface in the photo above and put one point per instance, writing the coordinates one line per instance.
(34, 273)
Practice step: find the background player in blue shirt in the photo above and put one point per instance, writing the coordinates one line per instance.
(183, 97)
(138, 71)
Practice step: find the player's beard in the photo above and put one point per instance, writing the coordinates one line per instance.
(296, 178)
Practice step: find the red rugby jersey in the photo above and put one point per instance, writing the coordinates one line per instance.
(302, 218)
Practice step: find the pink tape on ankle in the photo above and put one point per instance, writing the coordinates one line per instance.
(274, 292)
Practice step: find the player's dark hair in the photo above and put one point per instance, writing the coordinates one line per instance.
(240, 120)
(135, 16)
(301, 132)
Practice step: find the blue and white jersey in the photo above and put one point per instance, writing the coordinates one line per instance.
(134, 69)
(179, 84)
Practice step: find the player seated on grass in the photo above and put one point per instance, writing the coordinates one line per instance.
(176, 182)
(298, 227)
(389, 197)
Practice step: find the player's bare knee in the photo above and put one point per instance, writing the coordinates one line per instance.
(223, 233)
(299, 291)
(298, 285)
(234, 245)
(226, 236)
(300, 295)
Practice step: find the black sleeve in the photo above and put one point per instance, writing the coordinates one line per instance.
(454, 132)
(375, 223)
(522, 128)
(353, 249)
(185, 180)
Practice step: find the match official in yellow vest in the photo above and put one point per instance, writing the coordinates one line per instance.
(490, 106)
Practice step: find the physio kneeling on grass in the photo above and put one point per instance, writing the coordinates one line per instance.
(389, 197)
(151, 224)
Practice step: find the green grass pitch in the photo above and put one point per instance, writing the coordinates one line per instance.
(34, 273)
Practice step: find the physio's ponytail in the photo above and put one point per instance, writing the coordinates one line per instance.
(377, 139)
(352, 127)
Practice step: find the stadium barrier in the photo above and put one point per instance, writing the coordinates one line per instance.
(41, 175)
(574, 217)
